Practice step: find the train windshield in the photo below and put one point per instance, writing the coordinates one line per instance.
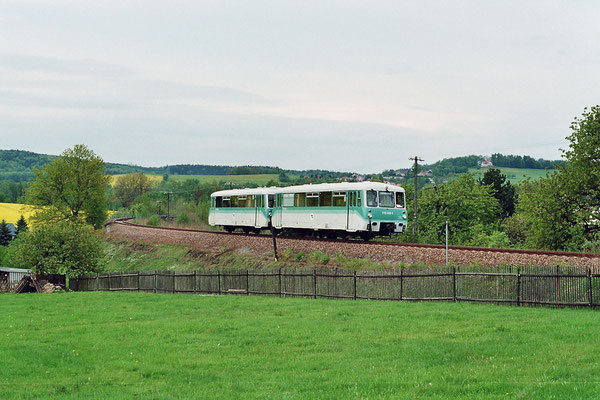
(271, 201)
(371, 198)
(386, 199)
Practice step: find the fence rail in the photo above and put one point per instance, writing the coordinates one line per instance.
(560, 286)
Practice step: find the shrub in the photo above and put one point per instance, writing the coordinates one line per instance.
(153, 220)
(66, 247)
(183, 219)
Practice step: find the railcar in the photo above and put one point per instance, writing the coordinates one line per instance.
(365, 209)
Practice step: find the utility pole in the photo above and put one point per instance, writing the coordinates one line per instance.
(416, 159)
(168, 204)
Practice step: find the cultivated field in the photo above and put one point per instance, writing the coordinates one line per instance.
(126, 345)
(514, 175)
(12, 212)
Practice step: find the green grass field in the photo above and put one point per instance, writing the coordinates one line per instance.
(137, 345)
(259, 179)
(514, 175)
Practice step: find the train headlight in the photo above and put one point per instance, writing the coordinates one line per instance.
(370, 215)
(404, 216)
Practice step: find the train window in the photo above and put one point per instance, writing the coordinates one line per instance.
(271, 201)
(288, 200)
(242, 201)
(339, 199)
(386, 199)
(371, 198)
(325, 199)
(250, 201)
(226, 202)
(234, 201)
(218, 201)
(300, 200)
(312, 200)
(358, 201)
(400, 199)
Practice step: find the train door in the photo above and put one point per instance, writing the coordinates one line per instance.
(278, 210)
(257, 201)
(350, 204)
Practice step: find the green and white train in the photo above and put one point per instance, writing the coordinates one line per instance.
(364, 209)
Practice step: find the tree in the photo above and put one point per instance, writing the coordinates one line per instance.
(130, 186)
(22, 225)
(65, 247)
(582, 169)
(503, 191)
(5, 235)
(463, 203)
(72, 187)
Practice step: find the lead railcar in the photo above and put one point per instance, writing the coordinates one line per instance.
(365, 209)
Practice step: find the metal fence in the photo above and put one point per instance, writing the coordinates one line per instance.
(560, 286)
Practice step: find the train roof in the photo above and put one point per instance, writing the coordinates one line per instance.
(320, 187)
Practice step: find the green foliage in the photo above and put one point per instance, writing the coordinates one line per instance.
(128, 187)
(515, 228)
(482, 237)
(153, 220)
(63, 247)
(72, 187)
(5, 235)
(503, 191)
(463, 203)
(318, 257)
(512, 161)
(22, 225)
(183, 219)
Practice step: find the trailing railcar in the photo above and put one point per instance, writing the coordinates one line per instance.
(365, 209)
(249, 209)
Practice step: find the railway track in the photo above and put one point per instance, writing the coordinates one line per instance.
(560, 254)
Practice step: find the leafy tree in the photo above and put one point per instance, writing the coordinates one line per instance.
(130, 186)
(582, 170)
(463, 203)
(549, 216)
(503, 191)
(22, 225)
(73, 186)
(5, 236)
(65, 247)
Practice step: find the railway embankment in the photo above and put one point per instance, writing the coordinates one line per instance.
(261, 245)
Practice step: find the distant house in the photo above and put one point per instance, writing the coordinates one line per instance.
(486, 164)
(425, 173)
(12, 229)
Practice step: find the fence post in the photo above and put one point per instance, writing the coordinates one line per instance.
(96, 282)
(109, 281)
(558, 283)
(219, 279)
(138, 279)
(247, 282)
(354, 284)
(280, 288)
(590, 286)
(401, 283)
(195, 281)
(173, 281)
(454, 284)
(315, 283)
(518, 286)
(155, 279)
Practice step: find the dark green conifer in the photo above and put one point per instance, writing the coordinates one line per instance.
(22, 225)
(5, 236)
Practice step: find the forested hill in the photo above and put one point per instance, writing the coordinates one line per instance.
(17, 166)
(461, 165)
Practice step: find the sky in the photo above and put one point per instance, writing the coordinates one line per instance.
(340, 85)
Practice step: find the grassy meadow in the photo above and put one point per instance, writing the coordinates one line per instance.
(514, 175)
(128, 345)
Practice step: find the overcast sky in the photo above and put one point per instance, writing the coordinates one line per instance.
(343, 85)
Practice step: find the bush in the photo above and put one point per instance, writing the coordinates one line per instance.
(67, 248)
(153, 220)
(183, 219)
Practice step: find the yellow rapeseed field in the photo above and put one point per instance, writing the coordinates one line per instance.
(12, 212)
